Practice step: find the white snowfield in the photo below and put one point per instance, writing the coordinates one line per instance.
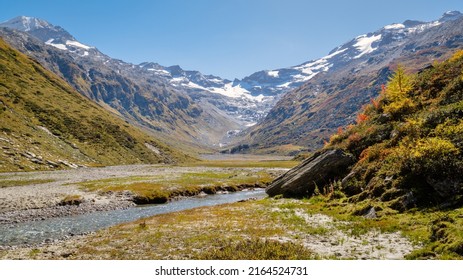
(58, 46)
(68, 43)
(364, 43)
(77, 44)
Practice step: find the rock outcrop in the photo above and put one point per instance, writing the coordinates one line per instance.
(318, 170)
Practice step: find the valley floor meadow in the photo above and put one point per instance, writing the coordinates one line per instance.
(251, 229)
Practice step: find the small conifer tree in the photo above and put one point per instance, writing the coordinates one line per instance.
(399, 85)
(396, 93)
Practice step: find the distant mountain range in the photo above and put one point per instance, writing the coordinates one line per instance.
(45, 124)
(294, 107)
(246, 101)
(135, 93)
(351, 75)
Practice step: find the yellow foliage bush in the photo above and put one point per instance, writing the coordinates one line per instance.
(400, 107)
(456, 56)
(433, 148)
(427, 155)
(449, 130)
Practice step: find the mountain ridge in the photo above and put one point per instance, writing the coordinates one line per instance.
(45, 124)
(124, 89)
(240, 104)
(306, 116)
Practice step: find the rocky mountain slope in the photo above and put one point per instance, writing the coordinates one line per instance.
(405, 150)
(234, 105)
(323, 94)
(351, 75)
(46, 124)
(139, 95)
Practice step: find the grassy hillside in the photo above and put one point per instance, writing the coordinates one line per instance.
(46, 124)
(408, 143)
(409, 140)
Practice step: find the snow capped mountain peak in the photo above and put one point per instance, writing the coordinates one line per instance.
(48, 33)
(25, 23)
(450, 15)
(394, 26)
(253, 96)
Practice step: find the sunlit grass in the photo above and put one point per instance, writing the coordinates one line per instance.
(160, 188)
(243, 164)
(263, 229)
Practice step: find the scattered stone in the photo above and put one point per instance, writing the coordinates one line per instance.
(248, 199)
(6, 140)
(371, 214)
(36, 160)
(52, 163)
(153, 148)
(29, 154)
(66, 255)
(68, 164)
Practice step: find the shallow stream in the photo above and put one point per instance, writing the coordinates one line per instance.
(57, 228)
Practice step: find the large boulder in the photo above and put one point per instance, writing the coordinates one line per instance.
(318, 170)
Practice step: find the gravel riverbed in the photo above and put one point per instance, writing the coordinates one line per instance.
(42, 201)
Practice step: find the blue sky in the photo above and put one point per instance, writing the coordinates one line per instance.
(231, 39)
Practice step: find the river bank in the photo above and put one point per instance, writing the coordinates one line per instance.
(251, 229)
(84, 190)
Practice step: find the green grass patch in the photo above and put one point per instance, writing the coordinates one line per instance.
(244, 163)
(160, 188)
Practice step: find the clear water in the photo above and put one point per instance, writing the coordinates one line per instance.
(57, 228)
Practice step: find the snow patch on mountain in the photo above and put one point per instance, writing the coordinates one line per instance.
(422, 27)
(58, 46)
(273, 73)
(310, 69)
(364, 44)
(236, 92)
(68, 43)
(77, 44)
(394, 26)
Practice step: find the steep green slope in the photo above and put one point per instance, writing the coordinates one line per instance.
(46, 124)
(409, 141)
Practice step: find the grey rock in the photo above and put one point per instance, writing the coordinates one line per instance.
(52, 163)
(36, 160)
(370, 214)
(317, 170)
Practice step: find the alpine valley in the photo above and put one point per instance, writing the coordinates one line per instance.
(206, 111)
(360, 152)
